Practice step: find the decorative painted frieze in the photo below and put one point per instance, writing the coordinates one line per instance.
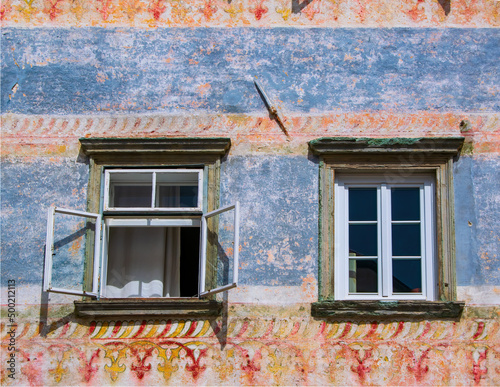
(245, 350)
(259, 13)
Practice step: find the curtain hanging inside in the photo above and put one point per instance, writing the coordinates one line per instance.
(143, 262)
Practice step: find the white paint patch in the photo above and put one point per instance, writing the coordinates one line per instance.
(272, 295)
(479, 295)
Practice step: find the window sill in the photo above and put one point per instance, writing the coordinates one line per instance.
(388, 309)
(192, 308)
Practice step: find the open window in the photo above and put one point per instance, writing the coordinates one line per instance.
(146, 256)
(64, 251)
(214, 227)
(148, 200)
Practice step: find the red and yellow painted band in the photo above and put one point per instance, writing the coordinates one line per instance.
(245, 13)
(262, 329)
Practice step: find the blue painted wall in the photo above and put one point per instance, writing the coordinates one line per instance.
(279, 230)
(90, 70)
(477, 220)
(279, 215)
(28, 190)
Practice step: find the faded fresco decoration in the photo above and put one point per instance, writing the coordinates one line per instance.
(253, 351)
(73, 69)
(216, 13)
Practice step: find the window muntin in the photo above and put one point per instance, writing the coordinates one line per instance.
(384, 238)
(153, 190)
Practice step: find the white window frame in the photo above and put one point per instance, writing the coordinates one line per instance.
(135, 222)
(428, 239)
(109, 172)
(49, 252)
(100, 256)
(177, 217)
(203, 292)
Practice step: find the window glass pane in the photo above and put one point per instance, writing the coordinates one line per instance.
(407, 275)
(362, 204)
(405, 203)
(131, 196)
(363, 276)
(73, 238)
(130, 189)
(406, 240)
(177, 196)
(177, 189)
(363, 240)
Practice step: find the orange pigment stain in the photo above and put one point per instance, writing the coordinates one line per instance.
(204, 89)
(309, 285)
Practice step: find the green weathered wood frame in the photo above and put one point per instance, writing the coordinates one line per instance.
(432, 156)
(156, 152)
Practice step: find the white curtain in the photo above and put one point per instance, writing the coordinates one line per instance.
(143, 262)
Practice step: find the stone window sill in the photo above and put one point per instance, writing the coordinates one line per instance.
(173, 308)
(388, 309)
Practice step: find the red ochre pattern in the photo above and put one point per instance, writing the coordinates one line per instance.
(258, 13)
(33, 135)
(288, 329)
(259, 351)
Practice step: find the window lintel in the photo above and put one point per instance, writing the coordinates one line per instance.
(442, 146)
(102, 149)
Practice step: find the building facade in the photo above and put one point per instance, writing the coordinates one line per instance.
(359, 138)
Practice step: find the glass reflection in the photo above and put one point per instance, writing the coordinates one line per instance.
(407, 275)
(363, 276)
(178, 196)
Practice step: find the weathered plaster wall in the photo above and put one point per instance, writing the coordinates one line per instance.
(365, 68)
(211, 71)
(477, 190)
(261, 346)
(279, 233)
(279, 200)
(28, 190)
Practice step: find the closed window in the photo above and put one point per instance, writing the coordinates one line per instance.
(386, 227)
(385, 238)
